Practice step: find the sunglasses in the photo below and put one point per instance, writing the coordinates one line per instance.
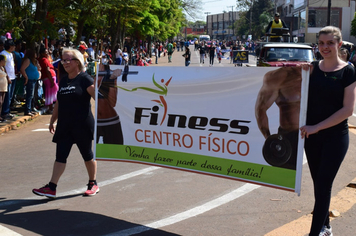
(67, 61)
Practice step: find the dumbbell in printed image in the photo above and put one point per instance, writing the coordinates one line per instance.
(283, 88)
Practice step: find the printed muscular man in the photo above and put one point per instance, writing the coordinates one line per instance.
(283, 87)
(108, 121)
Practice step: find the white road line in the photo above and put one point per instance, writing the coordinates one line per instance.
(39, 130)
(247, 188)
(113, 180)
(8, 232)
(354, 114)
(81, 190)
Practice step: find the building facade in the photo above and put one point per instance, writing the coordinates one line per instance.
(305, 18)
(219, 26)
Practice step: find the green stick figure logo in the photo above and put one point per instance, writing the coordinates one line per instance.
(161, 91)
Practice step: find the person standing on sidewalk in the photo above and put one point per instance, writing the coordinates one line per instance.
(186, 55)
(3, 83)
(170, 51)
(75, 122)
(156, 52)
(31, 71)
(48, 76)
(331, 100)
(160, 48)
(10, 71)
(118, 55)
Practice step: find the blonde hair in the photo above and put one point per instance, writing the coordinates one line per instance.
(335, 31)
(83, 43)
(77, 55)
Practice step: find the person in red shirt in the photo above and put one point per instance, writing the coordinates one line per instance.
(140, 62)
(49, 80)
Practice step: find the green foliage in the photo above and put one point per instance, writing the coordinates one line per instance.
(244, 5)
(353, 26)
(33, 20)
(196, 24)
(258, 12)
(191, 36)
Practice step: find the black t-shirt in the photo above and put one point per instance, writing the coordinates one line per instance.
(212, 50)
(75, 119)
(202, 49)
(326, 93)
(187, 56)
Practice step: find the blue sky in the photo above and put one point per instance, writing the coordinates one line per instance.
(215, 7)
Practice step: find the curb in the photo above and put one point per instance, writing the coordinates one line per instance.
(19, 120)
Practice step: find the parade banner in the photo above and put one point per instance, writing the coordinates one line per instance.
(240, 56)
(223, 122)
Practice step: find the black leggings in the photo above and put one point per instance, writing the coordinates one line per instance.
(211, 58)
(64, 147)
(325, 152)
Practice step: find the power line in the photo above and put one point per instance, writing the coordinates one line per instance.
(212, 1)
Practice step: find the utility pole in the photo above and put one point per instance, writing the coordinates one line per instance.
(185, 32)
(329, 13)
(232, 21)
(207, 25)
(251, 17)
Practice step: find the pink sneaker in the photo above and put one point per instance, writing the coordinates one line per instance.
(92, 190)
(45, 191)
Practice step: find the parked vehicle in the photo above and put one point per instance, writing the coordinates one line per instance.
(284, 54)
(204, 38)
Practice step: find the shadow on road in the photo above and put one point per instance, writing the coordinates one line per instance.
(58, 222)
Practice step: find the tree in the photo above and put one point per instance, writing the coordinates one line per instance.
(191, 7)
(353, 26)
(254, 17)
(33, 20)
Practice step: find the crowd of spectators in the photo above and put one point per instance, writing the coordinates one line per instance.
(32, 75)
(29, 77)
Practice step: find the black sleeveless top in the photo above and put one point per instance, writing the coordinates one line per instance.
(326, 93)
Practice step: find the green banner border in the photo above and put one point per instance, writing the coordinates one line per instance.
(251, 172)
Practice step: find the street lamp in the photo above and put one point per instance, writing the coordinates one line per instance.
(207, 25)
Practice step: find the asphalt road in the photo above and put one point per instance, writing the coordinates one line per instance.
(145, 200)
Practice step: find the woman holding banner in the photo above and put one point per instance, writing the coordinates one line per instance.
(331, 100)
(75, 122)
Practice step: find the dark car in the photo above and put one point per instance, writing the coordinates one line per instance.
(284, 54)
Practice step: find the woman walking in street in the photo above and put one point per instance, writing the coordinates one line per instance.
(211, 54)
(331, 100)
(186, 55)
(75, 122)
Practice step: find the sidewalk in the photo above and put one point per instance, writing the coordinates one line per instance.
(19, 119)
